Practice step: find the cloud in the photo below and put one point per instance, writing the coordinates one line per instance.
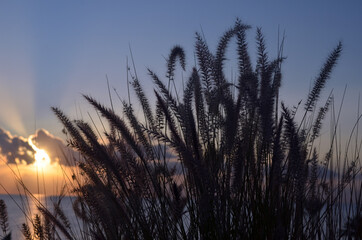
(17, 149)
(55, 147)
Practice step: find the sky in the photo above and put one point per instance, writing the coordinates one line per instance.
(52, 52)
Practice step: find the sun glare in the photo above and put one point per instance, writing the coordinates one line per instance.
(42, 159)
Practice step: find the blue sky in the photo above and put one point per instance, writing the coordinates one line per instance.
(52, 51)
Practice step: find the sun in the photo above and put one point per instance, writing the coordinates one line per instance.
(42, 159)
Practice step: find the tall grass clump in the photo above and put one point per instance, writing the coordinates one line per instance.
(4, 224)
(218, 160)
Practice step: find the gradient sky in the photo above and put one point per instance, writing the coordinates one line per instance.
(52, 51)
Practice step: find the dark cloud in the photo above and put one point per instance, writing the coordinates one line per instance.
(55, 147)
(18, 150)
(15, 149)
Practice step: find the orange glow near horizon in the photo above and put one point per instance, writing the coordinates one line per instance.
(36, 178)
(34, 165)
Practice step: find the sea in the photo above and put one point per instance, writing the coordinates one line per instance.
(22, 208)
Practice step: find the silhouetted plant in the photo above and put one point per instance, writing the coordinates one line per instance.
(213, 161)
(4, 224)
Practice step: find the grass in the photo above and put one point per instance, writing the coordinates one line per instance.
(218, 160)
